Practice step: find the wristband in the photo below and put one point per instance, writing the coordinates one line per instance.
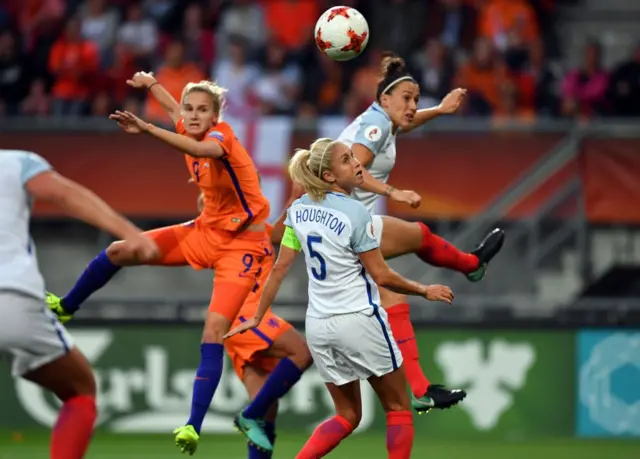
(152, 85)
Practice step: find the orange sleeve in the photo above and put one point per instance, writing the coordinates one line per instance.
(223, 135)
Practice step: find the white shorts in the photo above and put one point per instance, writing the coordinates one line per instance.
(30, 333)
(377, 227)
(352, 347)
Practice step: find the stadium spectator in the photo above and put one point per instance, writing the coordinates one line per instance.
(173, 74)
(73, 62)
(243, 18)
(290, 21)
(364, 82)
(238, 75)
(498, 17)
(14, 74)
(482, 75)
(403, 24)
(584, 90)
(99, 25)
(113, 80)
(625, 86)
(198, 40)
(278, 87)
(434, 69)
(139, 34)
(37, 19)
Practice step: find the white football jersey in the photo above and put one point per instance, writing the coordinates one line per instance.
(18, 264)
(373, 129)
(331, 234)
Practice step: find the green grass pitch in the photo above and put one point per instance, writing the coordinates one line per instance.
(27, 445)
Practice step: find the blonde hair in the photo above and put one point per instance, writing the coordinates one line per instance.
(307, 166)
(210, 87)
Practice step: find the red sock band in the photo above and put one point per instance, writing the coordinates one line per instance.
(72, 433)
(400, 434)
(403, 333)
(438, 252)
(325, 438)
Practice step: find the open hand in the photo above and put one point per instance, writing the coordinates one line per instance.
(141, 80)
(452, 101)
(243, 327)
(129, 122)
(438, 293)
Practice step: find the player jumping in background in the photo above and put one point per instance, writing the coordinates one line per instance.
(229, 236)
(348, 333)
(42, 350)
(372, 137)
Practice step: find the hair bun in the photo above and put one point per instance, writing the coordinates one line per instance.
(392, 65)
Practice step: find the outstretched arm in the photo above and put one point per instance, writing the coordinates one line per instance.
(131, 124)
(449, 104)
(148, 81)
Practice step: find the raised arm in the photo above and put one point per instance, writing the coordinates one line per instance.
(148, 81)
(449, 104)
(208, 148)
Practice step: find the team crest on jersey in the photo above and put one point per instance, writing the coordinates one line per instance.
(370, 232)
(373, 133)
(217, 135)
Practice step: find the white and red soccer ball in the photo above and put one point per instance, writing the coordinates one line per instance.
(342, 33)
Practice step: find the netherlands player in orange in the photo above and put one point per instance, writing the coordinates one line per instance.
(229, 236)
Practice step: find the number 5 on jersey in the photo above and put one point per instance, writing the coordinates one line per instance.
(313, 254)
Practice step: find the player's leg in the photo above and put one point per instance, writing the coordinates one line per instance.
(238, 263)
(291, 348)
(400, 237)
(390, 389)
(44, 354)
(425, 394)
(328, 435)
(108, 262)
(254, 377)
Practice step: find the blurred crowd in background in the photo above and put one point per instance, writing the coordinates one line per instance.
(72, 58)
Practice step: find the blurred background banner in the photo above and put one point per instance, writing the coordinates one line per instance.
(145, 376)
(608, 379)
(457, 174)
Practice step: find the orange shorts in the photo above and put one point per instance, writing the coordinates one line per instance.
(239, 260)
(248, 348)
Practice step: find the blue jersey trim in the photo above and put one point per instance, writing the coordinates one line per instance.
(376, 312)
(257, 332)
(238, 188)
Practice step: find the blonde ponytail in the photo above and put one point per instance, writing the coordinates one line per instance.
(307, 167)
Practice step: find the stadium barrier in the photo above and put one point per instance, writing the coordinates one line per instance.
(521, 384)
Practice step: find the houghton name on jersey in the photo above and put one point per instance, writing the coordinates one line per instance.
(373, 129)
(332, 233)
(18, 264)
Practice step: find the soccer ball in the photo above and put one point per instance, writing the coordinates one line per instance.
(342, 33)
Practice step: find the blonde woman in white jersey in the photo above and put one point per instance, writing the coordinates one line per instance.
(372, 137)
(42, 350)
(347, 331)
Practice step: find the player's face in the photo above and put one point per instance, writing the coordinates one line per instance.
(401, 105)
(198, 113)
(346, 170)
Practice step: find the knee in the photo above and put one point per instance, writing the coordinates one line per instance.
(301, 356)
(117, 253)
(215, 327)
